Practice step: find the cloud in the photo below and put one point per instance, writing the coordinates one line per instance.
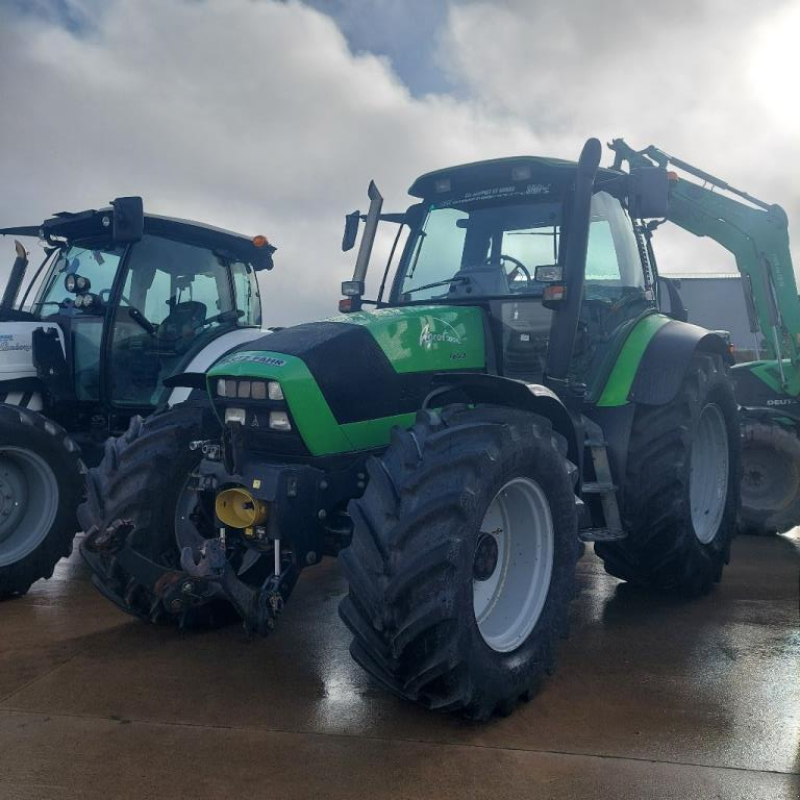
(257, 115)
(252, 116)
(709, 81)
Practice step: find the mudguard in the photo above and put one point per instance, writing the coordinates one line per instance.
(667, 358)
(495, 390)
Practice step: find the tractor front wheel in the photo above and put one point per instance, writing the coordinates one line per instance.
(141, 481)
(462, 562)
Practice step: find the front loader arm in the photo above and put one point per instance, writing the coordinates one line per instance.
(754, 232)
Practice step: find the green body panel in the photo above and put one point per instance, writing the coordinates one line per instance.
(426, 338)
(618, 386)
(315, 422)
(414, 339)
(768, 372)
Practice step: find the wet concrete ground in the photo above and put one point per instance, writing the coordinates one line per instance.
(652, 698)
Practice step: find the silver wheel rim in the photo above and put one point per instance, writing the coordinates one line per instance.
(28, 503)
(509, 601)
(708, 484)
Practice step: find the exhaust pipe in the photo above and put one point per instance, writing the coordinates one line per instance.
(565, 319)
(15, 279)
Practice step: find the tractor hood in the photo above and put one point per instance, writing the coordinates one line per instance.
(347, 380)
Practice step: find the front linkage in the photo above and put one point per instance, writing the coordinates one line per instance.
(240, 556)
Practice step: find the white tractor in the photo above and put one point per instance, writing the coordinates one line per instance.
(121, 302)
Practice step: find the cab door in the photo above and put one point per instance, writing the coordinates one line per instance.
(175, 297)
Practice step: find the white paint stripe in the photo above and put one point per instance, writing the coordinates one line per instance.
(209, 355)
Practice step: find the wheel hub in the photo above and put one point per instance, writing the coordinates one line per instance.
(29, 499)
(12, 497)
(486, 556)
(708, 483)
(513, 564)
(769, 480)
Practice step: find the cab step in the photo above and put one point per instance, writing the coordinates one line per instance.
(598, 487)
(602, 535)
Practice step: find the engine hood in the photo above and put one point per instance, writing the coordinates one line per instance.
(361, 372)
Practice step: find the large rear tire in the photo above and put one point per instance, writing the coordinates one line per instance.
(770, 478)
(41, 484)
(681, 488)
(140, 480)
(462, 562)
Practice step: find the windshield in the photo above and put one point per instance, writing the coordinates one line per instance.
(467, 250)
(98, 265)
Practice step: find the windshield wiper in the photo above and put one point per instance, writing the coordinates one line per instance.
(455, 279)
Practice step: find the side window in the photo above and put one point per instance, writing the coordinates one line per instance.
(602, 263)
(612, 257)
(614, 292)
(245, 286)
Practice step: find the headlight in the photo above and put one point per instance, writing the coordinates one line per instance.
(249, 390)
(279, 421)
(235, 415)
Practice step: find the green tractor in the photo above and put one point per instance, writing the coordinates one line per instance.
(119, 302)
(514, 393)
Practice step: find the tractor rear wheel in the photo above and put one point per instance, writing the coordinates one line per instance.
(681, 487)
(770, 478)
(462, 562)
(141, 481)
(41, 484)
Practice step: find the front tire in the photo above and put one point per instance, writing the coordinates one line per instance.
(41, 484)
(462, 562)
(681, 488)
(140, 481)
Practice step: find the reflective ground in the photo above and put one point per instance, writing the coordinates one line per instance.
(652, 698)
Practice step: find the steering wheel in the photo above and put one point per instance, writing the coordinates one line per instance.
(518, 267)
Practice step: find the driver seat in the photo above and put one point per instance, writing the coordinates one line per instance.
(176, 332)
(484, 279)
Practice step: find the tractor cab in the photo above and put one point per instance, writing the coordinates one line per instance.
(494, 234)
(122, 301)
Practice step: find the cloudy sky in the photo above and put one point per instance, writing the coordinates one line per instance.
(271, 117)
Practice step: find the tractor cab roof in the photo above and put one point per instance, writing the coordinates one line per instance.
(534, 172)
(92, 224)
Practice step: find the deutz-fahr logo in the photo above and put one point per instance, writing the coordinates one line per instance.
(437, 331)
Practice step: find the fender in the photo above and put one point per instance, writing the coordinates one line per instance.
(495, 390)
(653, 374)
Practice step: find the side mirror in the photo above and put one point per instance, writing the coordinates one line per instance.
(350, 231)
(548, 273)
(675, 309)
(648, 192)
(128, 219)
